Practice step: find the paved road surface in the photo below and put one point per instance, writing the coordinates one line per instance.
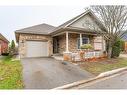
(46, 73)
(117, 82)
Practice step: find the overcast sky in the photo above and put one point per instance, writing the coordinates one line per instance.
(17, 17)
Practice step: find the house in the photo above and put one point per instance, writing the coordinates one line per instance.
(124, 38)
(3, 44)
(46, 40)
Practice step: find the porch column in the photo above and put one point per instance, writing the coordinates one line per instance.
(67, 42)
(80, 39)
(67, 56)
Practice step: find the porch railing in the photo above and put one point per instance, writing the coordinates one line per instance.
(87, 54)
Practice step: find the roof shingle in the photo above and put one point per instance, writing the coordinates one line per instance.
(37, 29)
(3, 38)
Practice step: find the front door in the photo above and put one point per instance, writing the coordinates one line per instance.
(55, 45)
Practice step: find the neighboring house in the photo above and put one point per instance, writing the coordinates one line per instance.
(46, 40)
(3, 44)
(124, 38)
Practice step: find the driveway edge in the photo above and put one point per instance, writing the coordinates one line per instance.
(100, 76)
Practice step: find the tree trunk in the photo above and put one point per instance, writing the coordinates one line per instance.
(109, 49)
(109, 52)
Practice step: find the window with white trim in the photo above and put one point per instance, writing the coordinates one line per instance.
(85, 40)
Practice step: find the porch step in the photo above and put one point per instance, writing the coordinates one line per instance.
(57, 54)
(58, 57)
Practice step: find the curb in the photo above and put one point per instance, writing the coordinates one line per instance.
(108, 73)
(100, 76)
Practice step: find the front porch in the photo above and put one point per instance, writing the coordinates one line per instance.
(68, 44)
(90, 55)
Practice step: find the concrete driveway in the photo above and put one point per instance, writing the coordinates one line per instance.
(47, 73)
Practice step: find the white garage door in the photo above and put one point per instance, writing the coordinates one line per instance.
(36, 49)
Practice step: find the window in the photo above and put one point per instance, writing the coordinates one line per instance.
(85, 40)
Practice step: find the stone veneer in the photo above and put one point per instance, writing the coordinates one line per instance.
(31, 37)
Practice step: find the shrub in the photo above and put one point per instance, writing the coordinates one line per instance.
(117, 48)
(5, 54)
(12, 48)
(116, 51)
(86, 46)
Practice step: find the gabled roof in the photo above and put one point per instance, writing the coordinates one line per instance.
(68, 23)
(37, 29)
(46, 29)
(124, 37)
(3, 38)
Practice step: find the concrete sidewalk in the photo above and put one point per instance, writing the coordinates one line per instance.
(117, 81)
(93, 82)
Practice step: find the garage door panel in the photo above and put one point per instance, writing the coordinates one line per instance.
(36, 49)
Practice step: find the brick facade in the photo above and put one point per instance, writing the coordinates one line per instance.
(3, 47)
(73, 45)
(31, 37)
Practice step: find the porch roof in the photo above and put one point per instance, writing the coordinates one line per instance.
(75, 30)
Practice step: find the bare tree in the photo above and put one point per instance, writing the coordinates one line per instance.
(114, 19)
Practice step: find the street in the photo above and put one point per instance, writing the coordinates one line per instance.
(115, 82)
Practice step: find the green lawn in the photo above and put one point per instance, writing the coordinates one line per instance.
(10, 74)
(103, 65)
